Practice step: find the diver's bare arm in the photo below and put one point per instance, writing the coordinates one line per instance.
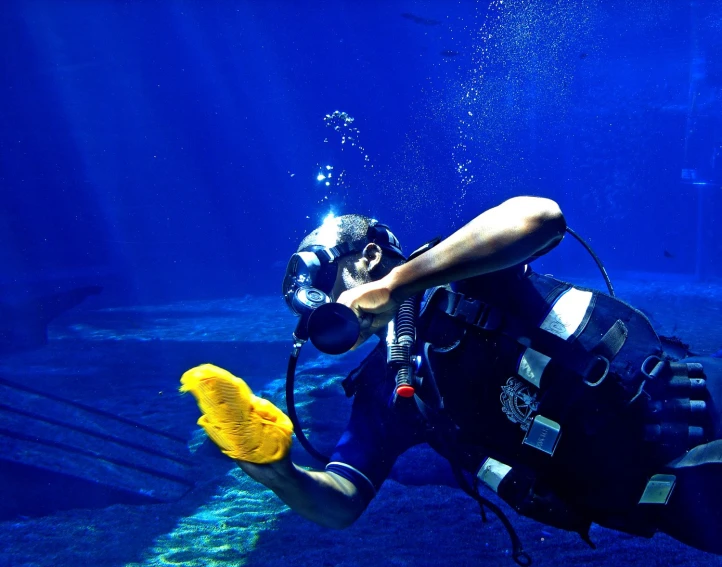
(322, 497)
(507, 235)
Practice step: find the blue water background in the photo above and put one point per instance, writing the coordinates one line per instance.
(172, 152)
(171, 149)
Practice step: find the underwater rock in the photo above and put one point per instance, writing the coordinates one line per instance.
(24, 325)
(57, 454)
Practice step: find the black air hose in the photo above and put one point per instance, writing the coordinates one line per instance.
(400, 350)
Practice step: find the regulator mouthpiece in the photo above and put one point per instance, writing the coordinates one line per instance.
(333, 328)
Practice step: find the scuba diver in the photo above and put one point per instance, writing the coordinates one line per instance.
(560, 399)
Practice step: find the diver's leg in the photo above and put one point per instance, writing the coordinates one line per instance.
(694, 512)
(713, 371)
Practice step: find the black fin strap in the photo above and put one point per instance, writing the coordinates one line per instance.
(480, 500)
(518, 554)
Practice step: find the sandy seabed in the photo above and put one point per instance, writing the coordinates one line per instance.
(128, 361)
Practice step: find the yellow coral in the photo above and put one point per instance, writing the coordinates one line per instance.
(244, 426)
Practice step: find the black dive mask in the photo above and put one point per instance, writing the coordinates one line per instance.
(333, 328)
(310, 276)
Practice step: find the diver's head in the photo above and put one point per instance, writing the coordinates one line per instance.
(374, 250)
(342, 253)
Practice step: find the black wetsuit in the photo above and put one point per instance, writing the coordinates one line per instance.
(492, 387)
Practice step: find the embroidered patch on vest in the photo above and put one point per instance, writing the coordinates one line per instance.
(518, 402)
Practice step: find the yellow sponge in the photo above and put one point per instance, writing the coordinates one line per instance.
(244, 426)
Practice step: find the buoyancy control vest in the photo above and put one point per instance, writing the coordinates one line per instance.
(567, 388)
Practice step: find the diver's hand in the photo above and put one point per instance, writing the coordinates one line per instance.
(270, 475)
(373, 305)
(322, 497)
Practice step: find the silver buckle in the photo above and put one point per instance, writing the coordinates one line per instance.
(658, 489)
(543, 434)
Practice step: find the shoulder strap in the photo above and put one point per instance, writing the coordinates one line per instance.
(590, 366)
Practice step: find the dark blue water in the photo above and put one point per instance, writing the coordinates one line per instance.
(147, 144)
(174, 154)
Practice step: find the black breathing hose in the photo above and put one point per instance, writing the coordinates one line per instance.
(406, 319)
(400, 351)
(291, 407)
(596, 259)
